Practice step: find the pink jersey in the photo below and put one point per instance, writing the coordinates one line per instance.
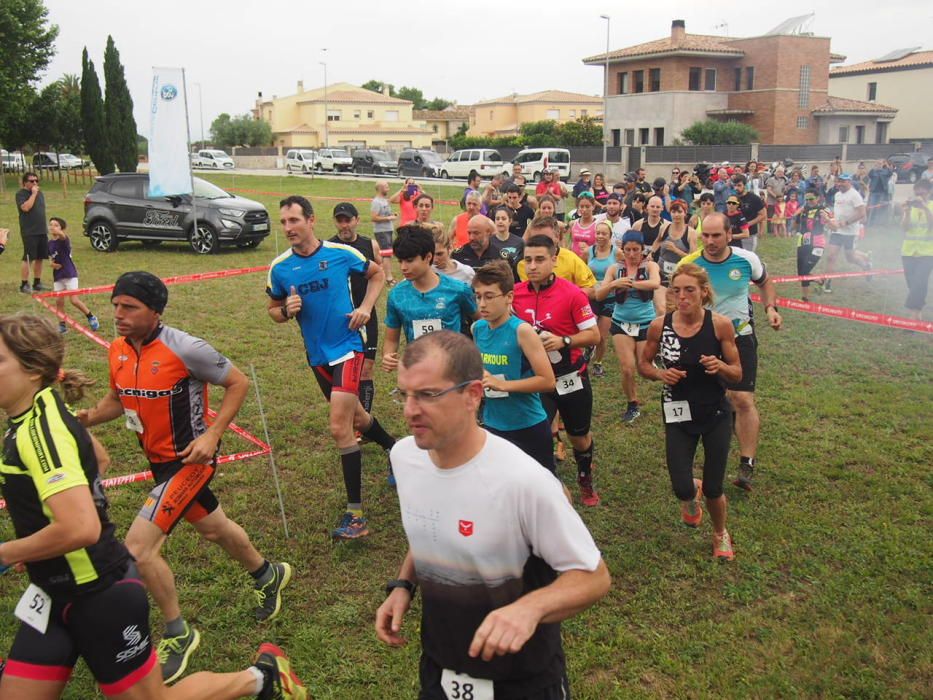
(582, 237)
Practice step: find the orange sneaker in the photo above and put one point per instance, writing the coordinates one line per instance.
(587, 493)
(691, 512)
(722, 547)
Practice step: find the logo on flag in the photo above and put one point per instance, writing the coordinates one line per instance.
(168, 92)
(466, 527)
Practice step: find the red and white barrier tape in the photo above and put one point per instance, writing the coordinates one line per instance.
(247, 190)
(870, 317)
(834, 275)
(179, 279)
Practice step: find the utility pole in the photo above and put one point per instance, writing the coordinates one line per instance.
(606, 95)
(326, 110)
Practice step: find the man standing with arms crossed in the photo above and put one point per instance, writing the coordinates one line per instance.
(309, 283)
(731, 270)
(158, 381)
(33, 226)
(500, 554)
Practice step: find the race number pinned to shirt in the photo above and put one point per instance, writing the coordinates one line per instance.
(132, 420)
(668, 267)
(495, 393)
(460, 686)
(424, 326)
(569, 383)
(630, 329)
(817, 252)
(677, 412)
(34, 608)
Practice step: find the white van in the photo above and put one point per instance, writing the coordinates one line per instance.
(535, 160)
(213, 158)
(301, 160)
(486, 161)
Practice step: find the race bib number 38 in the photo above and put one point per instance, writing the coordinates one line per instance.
(459, 686)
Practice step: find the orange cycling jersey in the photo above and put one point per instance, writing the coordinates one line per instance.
(163, 388)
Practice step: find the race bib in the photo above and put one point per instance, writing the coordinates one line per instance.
(34, 608)
(460, 686)
(817, 252)
(495, 393)
(631, 329)
(668, 267)
(569, 383)
(424, 326)
(677, 412)
(132, 420)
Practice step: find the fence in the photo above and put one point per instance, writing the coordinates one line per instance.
(256, 151)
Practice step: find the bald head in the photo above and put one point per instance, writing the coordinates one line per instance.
(382, 188)
(480, 228)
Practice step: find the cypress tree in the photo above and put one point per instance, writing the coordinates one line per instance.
(118, 111)
(92, 117)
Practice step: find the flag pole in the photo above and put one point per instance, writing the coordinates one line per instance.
(194, 206)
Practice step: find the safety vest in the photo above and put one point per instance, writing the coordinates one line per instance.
(919, 238)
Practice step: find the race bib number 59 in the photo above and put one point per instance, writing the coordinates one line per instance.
(424, 326)
(460, 686)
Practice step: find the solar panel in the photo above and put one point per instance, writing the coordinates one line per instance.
(897, 55)
(794, 25)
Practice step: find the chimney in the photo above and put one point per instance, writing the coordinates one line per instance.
(385, 89)
(260, 94)
(301, 86)
(678, 31)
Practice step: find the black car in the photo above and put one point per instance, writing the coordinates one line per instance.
(118, 208)
(909, 166)
(368, 160)
(419, 163)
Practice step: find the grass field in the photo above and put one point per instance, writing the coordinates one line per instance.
(830, 593)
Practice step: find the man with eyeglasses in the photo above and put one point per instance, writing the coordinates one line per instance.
(33, 227)
(499, 553)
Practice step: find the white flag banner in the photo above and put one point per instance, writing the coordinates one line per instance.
(169, 163)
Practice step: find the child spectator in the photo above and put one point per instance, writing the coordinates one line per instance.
(791, 207)
(65, 274)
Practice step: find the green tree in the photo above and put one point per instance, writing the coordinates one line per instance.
(69, 114)
(227, 131)
(118, 111)
(584, 131)
(93, 122)
(377, 86)
(438, 104)
(26, 47)
(711, 132)
(413, 95)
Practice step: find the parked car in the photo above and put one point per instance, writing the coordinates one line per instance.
(70, 162)
(334, 160)
(213, 158)
(535, 160)
(118, 208)
(44, 160)
(486, 161)
(419, 163)
(370, 160)
(300, 159)
(909, 166)
(12, 161)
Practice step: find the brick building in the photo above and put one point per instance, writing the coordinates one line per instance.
(777, 83)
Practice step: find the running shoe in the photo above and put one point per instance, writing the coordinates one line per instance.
(25, 288)
(722, 547)
(631, 413)
(691, 512)
(827, 287)
(62, 327)
(93, 322)
(39, 287)
(279, 680)
(351, 527)
(598, 369)
(745, 477)
(560, 451)
(391, 478)
(269, 595)
(174, 652)
(587, 493)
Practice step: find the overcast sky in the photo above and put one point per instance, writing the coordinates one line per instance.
(460, 51)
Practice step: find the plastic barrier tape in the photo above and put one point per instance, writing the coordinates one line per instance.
(853, 314)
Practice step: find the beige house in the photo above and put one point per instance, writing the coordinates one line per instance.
(443, 123)
(504, 116)
(346, 116)
(902, 79)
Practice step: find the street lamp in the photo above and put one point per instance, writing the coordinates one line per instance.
(200, 112)
(606, 95)
(326, 110)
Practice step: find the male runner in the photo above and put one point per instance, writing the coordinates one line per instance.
(383, 226)
(848, 213)
(569, 266)
(730, 272)
(310, 283)
(561, 314)
(158, 381)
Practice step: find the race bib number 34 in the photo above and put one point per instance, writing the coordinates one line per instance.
(459, 686)
(569, 383)
(425, 325)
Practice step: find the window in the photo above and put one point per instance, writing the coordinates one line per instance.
(738, 79)
(391, 115)
(881, 132)
(630, 137)
(436, 129)
(803, 100)
(860, 134)
(654, 76)
(356, 114)
(803, 122)
(553, 114)
(490, 115)
(584, 112)
(843, 134)
(616, 138)
(126, 188)
(750, 77)
(623, 84)
(333, 115)
(644, 137)
(872, 92)
(710, 82)
(573, 114)
(370, 114)
(695, 74)
(659, 136)
(638, 77)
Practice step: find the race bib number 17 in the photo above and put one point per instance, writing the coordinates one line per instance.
(460, 686)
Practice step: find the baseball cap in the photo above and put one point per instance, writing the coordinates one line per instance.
(585, 171)
(615, 197)
(845, 176)
(345, 209)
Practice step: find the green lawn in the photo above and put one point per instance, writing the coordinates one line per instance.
(830, 594)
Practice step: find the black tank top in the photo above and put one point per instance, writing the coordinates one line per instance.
(649, 232)
(704, 392)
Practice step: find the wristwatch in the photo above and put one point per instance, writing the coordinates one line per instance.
(567, 341)
(412, 588)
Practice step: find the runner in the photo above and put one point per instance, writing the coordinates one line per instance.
(677, 241)
(473, 203)
(738, 224)
(753, 209)
(698, 352)
(583, 229)
(516, 367)
(501, 555)
(917, 249)
(632, 284)
(614, 215)
(653, 225)
(561, 314)
(811, 241)
(444, 262)
(731, 270)
(310, 283)
(509, 246)
(848, 213)
(84, 594)
(158, 382)
(707, 207)
(383, 227)
(521, 212)
(599, 257)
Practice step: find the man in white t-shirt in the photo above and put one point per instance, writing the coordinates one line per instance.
(614, 216)
(499, 553)
(848, 213)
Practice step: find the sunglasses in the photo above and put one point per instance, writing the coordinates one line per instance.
(735, 204)
(31, 180)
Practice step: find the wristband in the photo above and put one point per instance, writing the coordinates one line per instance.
(412, 588)
(284, 308)
(770, 306)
